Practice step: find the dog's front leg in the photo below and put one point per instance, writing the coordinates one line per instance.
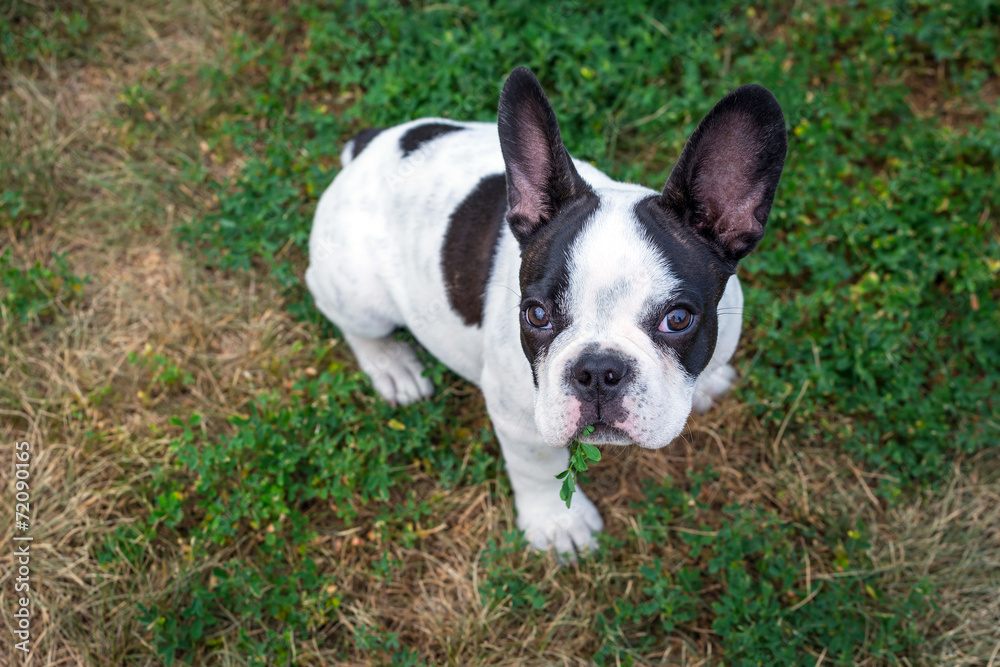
(532, 467)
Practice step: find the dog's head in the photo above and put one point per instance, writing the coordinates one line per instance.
(620, 284)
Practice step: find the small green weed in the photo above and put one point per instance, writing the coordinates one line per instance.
(13, 208)
(36, 293)
(31, 33)
(385, 647)
(580, 455)
(506, 584)
(164, 374)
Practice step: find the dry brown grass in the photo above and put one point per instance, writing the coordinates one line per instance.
(110, 193)
(110, 201)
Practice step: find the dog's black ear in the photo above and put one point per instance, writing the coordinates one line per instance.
(724, 182)
(541, 177)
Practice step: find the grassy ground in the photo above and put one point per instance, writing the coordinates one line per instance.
(214, 482)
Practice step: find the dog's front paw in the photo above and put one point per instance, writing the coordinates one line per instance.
(548, 523)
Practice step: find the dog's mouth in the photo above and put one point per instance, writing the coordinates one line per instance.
(601, 433)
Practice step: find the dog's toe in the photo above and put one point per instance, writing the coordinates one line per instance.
(411, 385)
(402, 384)
(548, 524)
(394, 369)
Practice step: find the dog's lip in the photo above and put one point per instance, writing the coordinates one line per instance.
(604, 434)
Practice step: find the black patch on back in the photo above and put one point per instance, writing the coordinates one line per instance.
(470, 244)
(362, 139)
(413, 138)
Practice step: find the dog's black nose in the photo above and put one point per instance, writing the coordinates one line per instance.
(599, 374)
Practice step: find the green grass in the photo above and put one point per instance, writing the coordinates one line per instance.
(873, 292)
(291, 530)
(860, 301)
(327, 444)
(35, 294)
(763, 612)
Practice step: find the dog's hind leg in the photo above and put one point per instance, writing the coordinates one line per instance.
(712, 386)
(719, 376)
(393, 367)
(367, 317)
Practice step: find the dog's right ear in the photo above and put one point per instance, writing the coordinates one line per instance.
(723, 184)
(541, 177)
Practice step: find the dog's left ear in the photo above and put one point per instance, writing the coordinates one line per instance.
(541, 178)
(724, 182)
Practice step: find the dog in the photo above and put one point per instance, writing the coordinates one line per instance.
(583, 308)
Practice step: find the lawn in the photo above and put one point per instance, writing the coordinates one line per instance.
(214, 482)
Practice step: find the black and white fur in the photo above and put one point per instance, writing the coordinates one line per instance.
(472, 234)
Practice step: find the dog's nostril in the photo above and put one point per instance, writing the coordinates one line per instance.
(599, 370)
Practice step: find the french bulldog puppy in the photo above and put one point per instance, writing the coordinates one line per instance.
(570, 299)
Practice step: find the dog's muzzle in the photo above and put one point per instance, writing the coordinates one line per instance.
(600, 380)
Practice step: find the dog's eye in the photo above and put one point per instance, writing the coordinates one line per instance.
(537, 317)
(677, 320)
